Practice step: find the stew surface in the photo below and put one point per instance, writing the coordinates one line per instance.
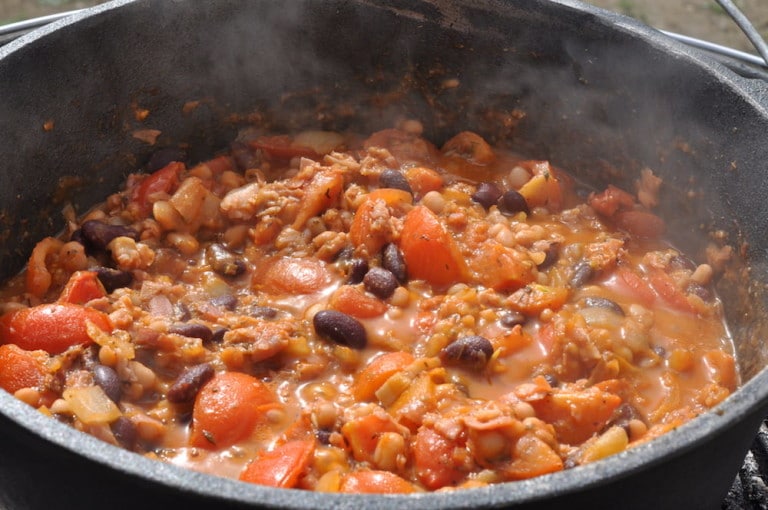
(337, 313)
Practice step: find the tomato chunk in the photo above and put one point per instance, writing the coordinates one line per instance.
(281, 467)
(228, 408)
(51, 327)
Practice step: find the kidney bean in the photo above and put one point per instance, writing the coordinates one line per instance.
(97, 234)
(512, 319)
(472, 351)
(624, 414)
(699, 290)
(106, 378)
(227, 301)
(552, 380)
(681, 262)
(392, 260)
(601, 302)
(512, 202)
(357, 270)
(380, 282)
(263, 312)
(218, 335)
(550, 256)
(160, 158)
(125, 432)
(184, 389)
(390, 178)
(487, 194)
(223, 261)
(582, 273)
(113, 279)
(192, 330)
(340, 328)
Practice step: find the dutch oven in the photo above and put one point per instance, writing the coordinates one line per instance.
(594, 92)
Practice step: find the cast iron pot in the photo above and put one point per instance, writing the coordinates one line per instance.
(594, 92)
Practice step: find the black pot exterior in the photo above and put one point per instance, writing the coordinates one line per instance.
(602, 97)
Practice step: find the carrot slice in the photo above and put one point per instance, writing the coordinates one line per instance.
(53, 327)
(228, 408)
(281, 467)
(429, 251)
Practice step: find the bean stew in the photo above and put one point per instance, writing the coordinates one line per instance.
(330, 312)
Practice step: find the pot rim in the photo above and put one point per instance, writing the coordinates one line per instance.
(751, 396)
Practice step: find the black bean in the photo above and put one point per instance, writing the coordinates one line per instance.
(223, 261)
(184, 389)
(192, 330)
(601, 302)
(227, 301)
(108, 380)
(340, 328)
(245, 157)
(487, 194)
(699, 290)
(113, 279)
(97, 234)
(512, 319)
(357, 270)
(660, 351)
(160, 158)
(550, 256)
(582, 274)
(263, 312)
(390, 178)
(471, 351)
(681, 262)
(380, 282)
(392, 260)
(512, 202)
(323, 436)
(218, 335)
(125, 432)
(624, 414)
(552, 380)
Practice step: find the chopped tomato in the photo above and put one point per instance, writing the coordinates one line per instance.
(281, 467)
(51, 327)
(430, 252)
(378, 371)
(19, 369)
(292, 275)
(156, 186)
(282, 147)
(665, 286)
(433, 457)
(83, 286)
(611, 200)
(228, 408)
(357, 303)
(370, 225)
(375, 482)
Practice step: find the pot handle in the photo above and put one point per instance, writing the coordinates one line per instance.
(746, 26)
(15, 30)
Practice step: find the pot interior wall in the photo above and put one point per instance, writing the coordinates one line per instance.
(550, 80)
